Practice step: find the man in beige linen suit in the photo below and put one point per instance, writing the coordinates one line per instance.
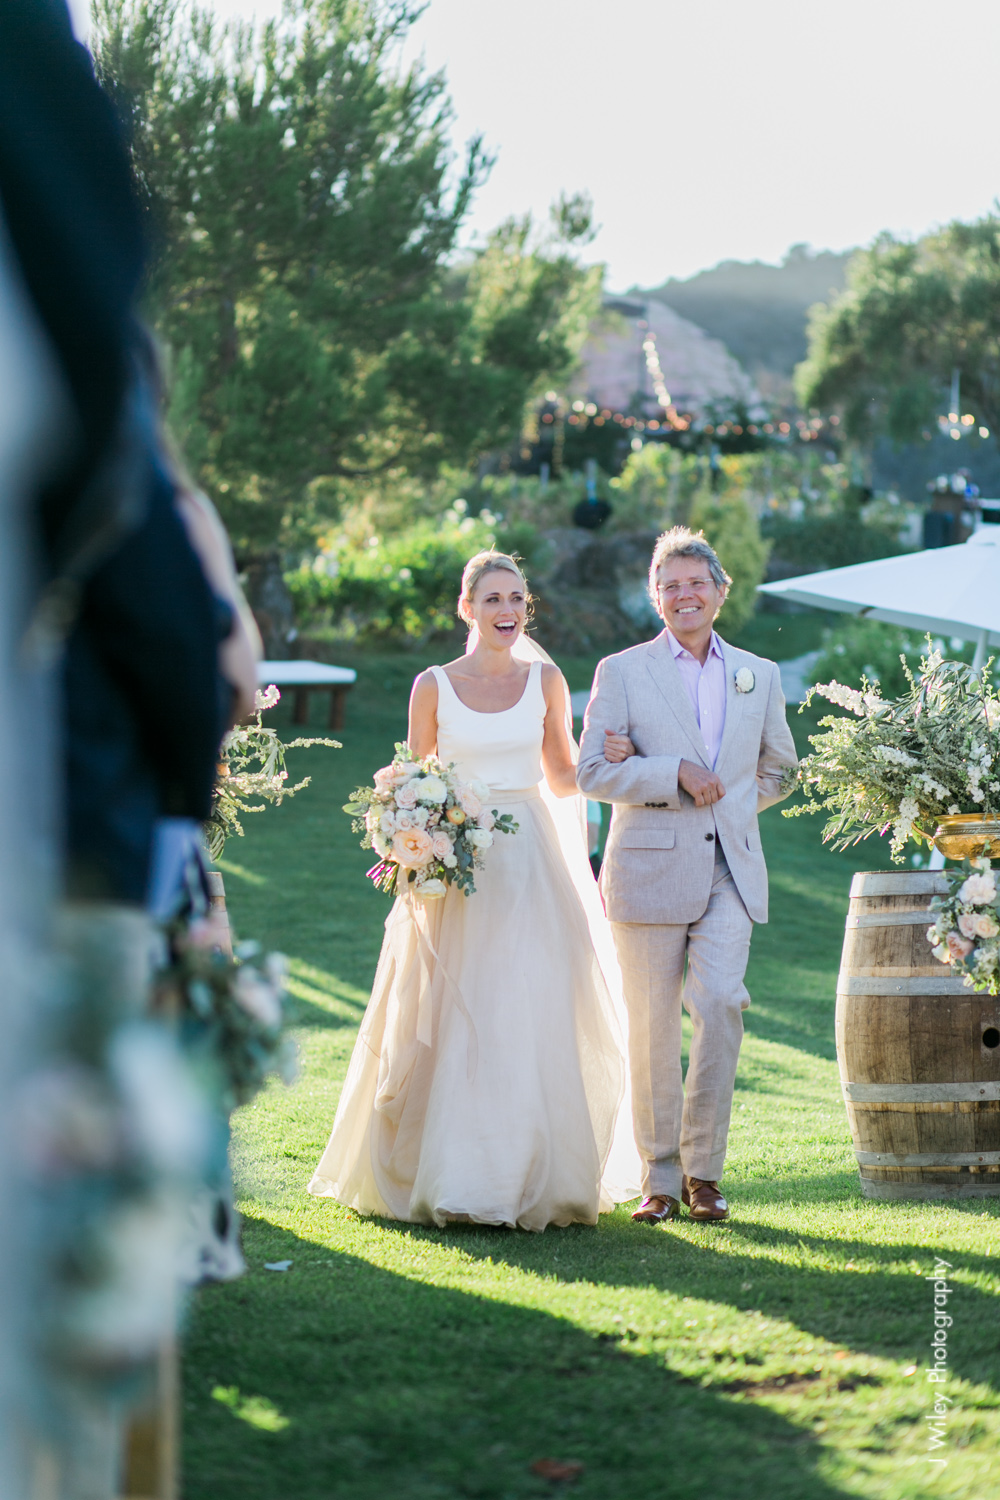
(684, 877)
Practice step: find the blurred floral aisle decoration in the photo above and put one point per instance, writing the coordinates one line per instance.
(251, 766)
(225, 1001)
(230, 1009)
(925, 765)
(227, 1007)
(116, 1137)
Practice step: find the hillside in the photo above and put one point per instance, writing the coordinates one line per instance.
(759, 311)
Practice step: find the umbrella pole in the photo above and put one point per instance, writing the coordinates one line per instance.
(980, 656)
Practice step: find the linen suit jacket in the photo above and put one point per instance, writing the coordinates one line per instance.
(660, 856)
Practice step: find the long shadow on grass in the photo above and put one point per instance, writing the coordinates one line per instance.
(343, 1379)
(882, 1312)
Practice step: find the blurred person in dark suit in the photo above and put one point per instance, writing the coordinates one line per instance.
(122, 588)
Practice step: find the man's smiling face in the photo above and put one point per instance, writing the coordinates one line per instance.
(687, 597)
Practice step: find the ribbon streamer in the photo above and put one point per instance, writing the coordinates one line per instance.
(428, 966)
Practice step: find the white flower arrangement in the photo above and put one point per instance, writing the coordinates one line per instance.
(421, 818)
(745, 680)
(899, 765)
(966, 928)
(252, 765)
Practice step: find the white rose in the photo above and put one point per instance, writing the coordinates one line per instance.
(381, 845)
(745, 680)
(430, 789)
(387, 823)
(479, 838)
(432, 890)
(978, 890)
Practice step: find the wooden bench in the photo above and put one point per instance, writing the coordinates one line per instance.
(305, 677)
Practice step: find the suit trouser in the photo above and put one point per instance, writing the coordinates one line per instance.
(677, 1131)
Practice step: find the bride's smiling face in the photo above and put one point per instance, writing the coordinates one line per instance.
(499, 606)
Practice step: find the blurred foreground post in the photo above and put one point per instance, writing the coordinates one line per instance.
(151, 1457)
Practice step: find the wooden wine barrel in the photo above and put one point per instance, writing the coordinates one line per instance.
(919, 1053)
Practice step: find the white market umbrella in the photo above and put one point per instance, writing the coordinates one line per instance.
(950, 591)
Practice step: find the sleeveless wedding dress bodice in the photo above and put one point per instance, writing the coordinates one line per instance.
(502, 749)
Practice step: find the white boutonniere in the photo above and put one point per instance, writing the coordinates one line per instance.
(745, 680)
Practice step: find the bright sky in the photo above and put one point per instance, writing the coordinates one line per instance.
(731, 130)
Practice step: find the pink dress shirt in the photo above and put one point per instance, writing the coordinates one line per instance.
(706, 687)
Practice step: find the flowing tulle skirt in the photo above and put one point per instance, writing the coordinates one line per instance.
(489, 1072)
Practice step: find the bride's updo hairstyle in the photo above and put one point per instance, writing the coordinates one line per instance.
(475, 569)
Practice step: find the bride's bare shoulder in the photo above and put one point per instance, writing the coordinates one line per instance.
(424, 687)
(457, 670)
(553, 680)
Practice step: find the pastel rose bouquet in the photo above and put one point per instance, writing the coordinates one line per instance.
(422, 819)
(966, 929)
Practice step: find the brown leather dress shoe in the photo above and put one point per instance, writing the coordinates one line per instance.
(703, 1199)
(656, 1209)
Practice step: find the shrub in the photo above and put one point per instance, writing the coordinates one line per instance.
(867, 648)
(831, 539)
(731, 527)
(656, 489)
(402, 587)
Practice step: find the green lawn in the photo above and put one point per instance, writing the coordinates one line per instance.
(772, 1356)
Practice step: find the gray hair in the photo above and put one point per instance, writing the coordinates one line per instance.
(681, 541)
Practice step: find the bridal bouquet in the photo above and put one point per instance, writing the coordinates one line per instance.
(420, 818)
(901, 764)
(966, 930)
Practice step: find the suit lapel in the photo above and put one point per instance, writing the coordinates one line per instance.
(734, 705)
(663, 670)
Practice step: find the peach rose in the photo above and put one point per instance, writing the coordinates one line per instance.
(471, 804)
(986, 926)
(958, 947)
(441, 845)
(412, 849)
(968, 924)
(486, 820)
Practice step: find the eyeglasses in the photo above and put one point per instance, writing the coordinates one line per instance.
(671, 590)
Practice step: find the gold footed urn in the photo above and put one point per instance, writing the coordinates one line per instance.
(967, 835)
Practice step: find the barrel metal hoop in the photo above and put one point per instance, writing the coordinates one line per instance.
(915, 883)
(852, 984)
(929, 1159)
(890, 919)
(920, 1093)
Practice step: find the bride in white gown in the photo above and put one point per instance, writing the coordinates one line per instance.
(489, 1081)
